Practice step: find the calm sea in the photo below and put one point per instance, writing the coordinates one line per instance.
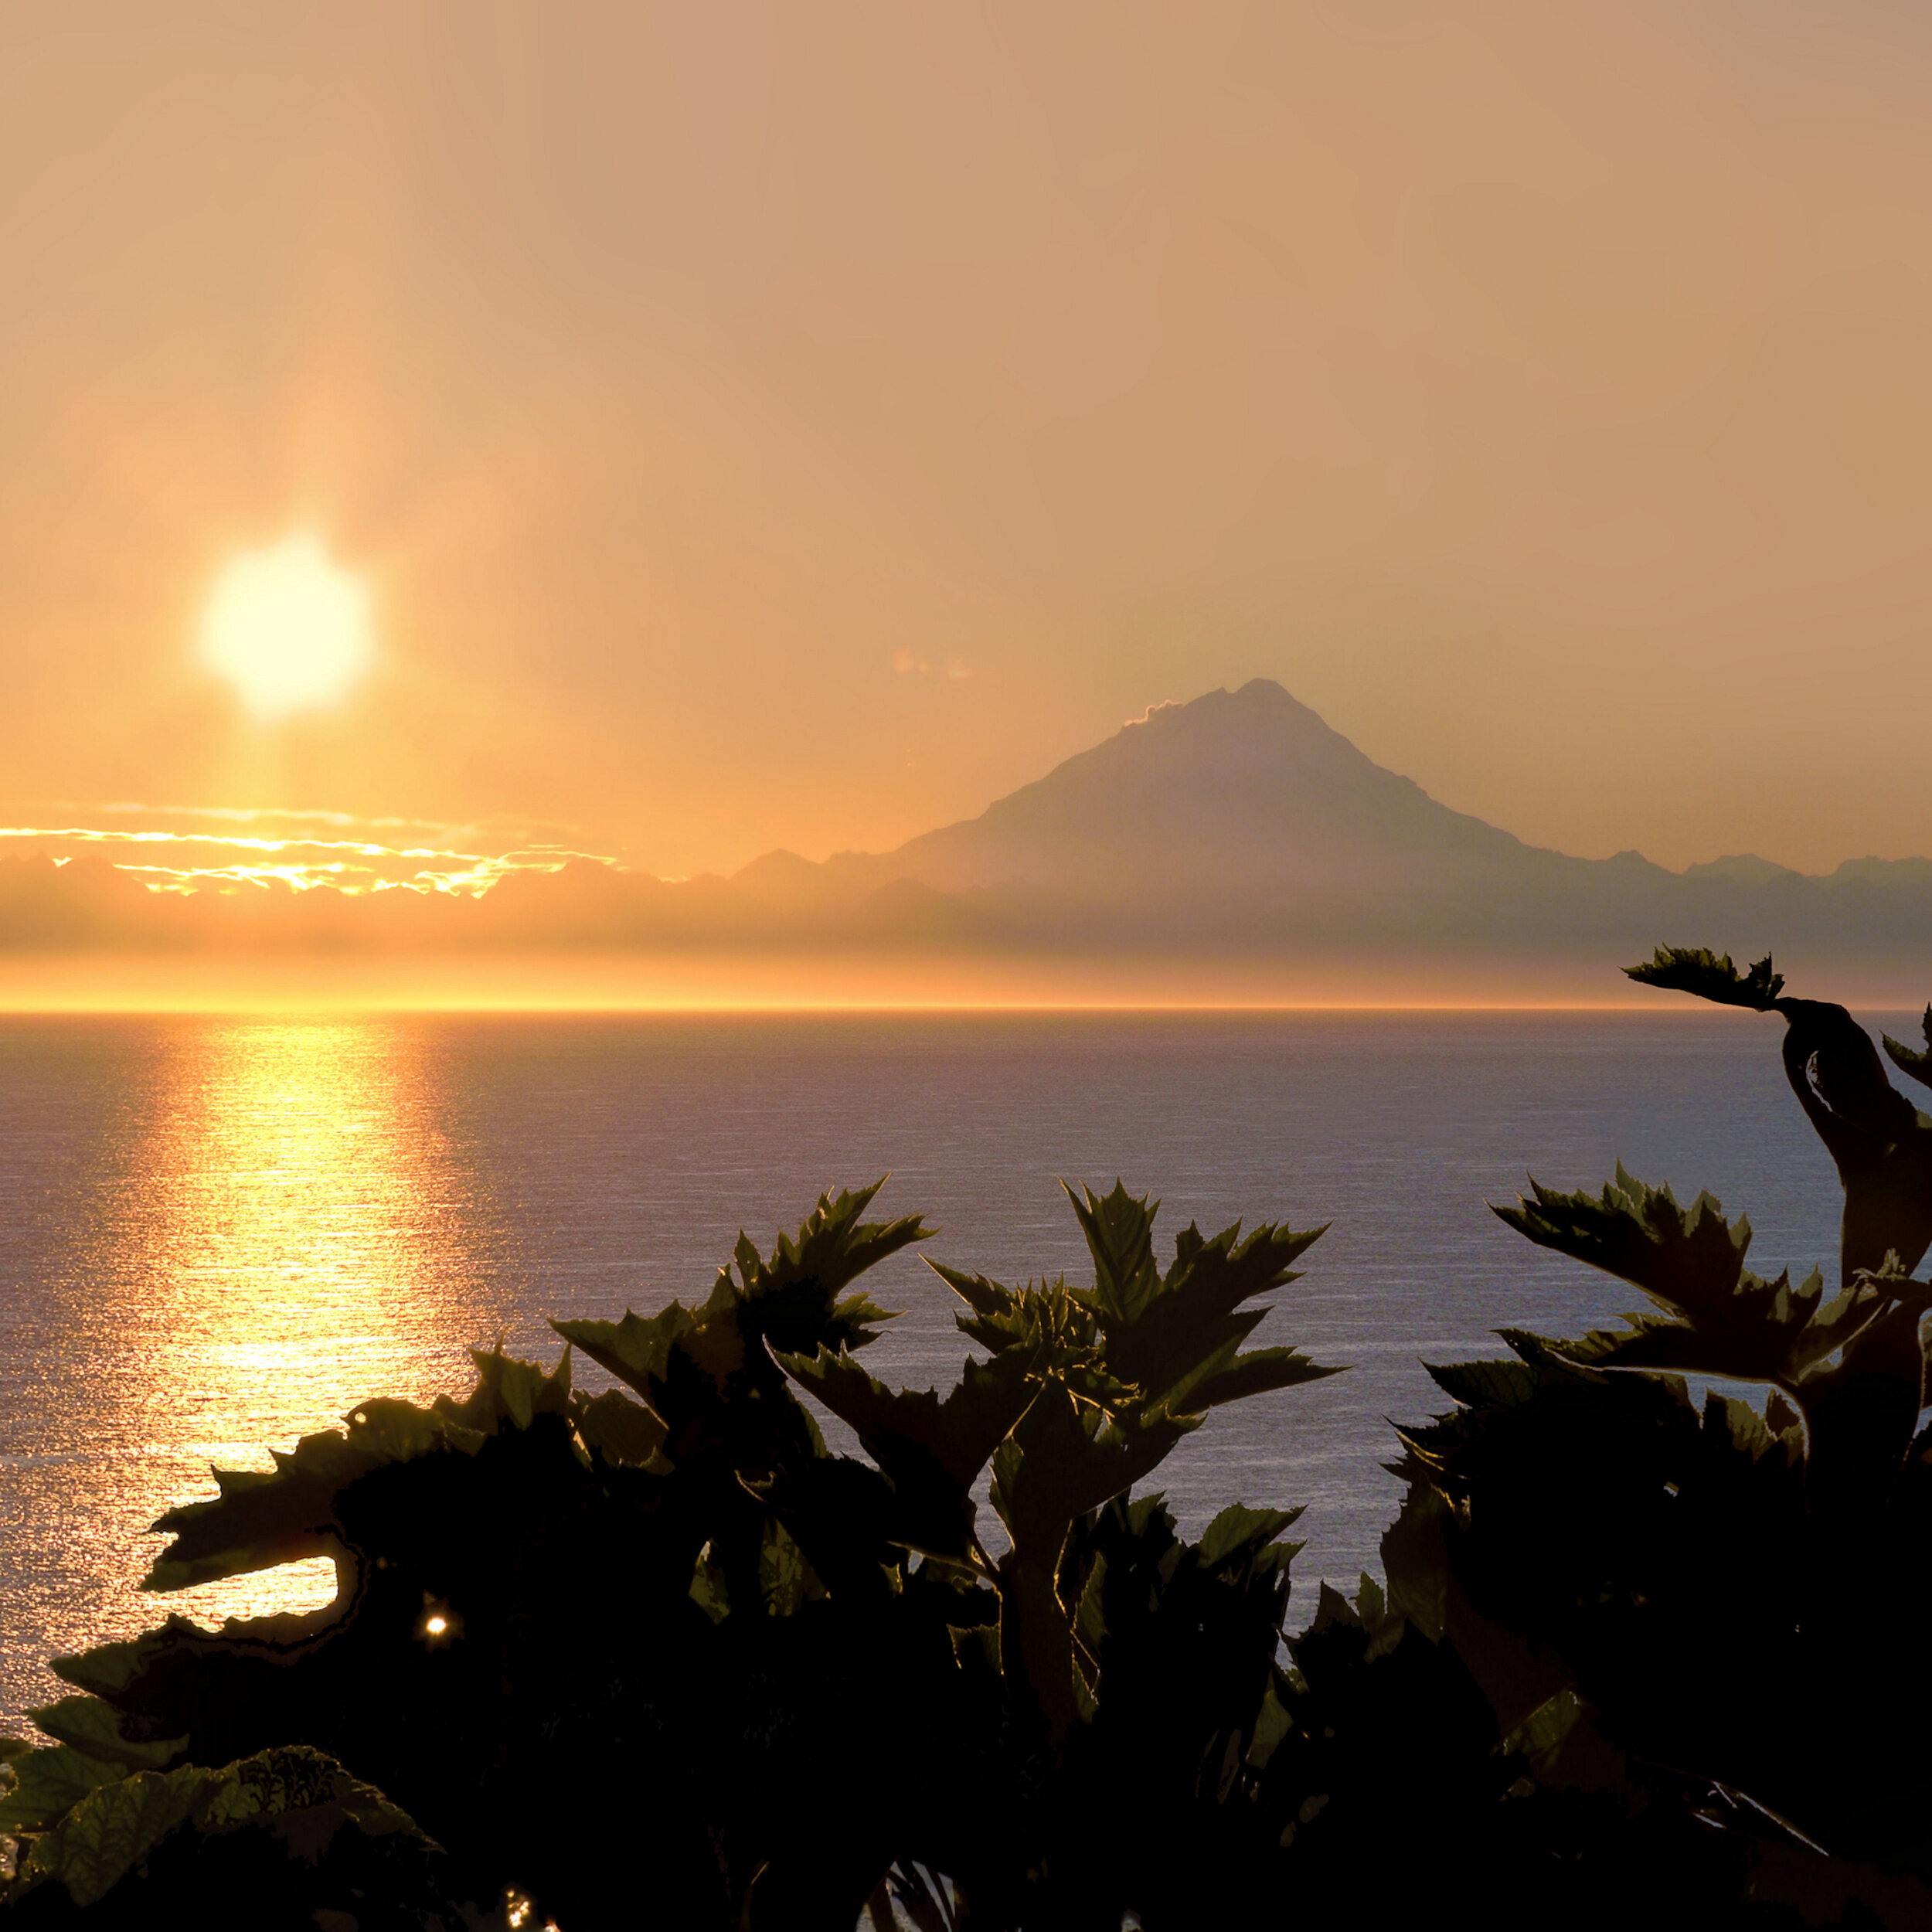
(216, 1235)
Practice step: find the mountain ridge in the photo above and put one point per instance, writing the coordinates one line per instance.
(1255, 753)
(1239, 826)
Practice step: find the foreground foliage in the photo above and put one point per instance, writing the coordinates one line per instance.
(657, 1657)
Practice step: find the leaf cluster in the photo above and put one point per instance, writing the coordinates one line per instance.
(559, 1611)
(1709, 1608)
(656, 1653)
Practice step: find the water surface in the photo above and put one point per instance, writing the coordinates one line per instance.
(216, 1235)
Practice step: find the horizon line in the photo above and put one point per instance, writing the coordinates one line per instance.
(805, 1008)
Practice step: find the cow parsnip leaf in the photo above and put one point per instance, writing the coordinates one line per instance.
(1708, 975)
(1119, 1229)
(113, 1827)
(1719, 1318)
(1048, 1325)
(1176, 1338)
(109, 1669)
(638, 1349)
(1273, 1723)
(620, 1430)
(930, 1451)
(93, 1728)
(1681, 1258)
(1502, 1384)
(796, 1301)
(508, 1390)
(109, 1830)
(1244, 1540)
(263, 1518)
(50, 1781)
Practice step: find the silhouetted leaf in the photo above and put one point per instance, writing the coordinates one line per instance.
(930, 1451)
(1914, 1061)
(263, 1518)
(1686, 969)
(636, 1350)
(48, 1781)
(1177, 1337)
(94, 1728)
(1682, 1259)
(1119, 1228)
(1241, 1538)
(620, 1430)
(114, 1827)
(793, 1300)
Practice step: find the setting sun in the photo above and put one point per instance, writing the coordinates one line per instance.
(289, 628)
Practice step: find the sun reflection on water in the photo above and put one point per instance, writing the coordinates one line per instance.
(310, 1206)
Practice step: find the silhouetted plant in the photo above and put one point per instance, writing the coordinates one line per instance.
(656, 1656)
(1719, 1607)
(668, 1654)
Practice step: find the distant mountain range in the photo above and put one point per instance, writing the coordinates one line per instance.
(1240, 825)
(1242, 820)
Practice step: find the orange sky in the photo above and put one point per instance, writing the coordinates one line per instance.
(769, 426)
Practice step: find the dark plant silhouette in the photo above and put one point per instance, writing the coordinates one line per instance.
(656, 1656)
(662, 1653)
(1716, 1606)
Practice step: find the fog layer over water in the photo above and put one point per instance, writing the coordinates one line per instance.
(216, 1235)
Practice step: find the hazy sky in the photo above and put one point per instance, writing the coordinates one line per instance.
(799, 425)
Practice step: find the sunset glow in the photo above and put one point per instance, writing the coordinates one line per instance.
(658, 522)
(289, 628)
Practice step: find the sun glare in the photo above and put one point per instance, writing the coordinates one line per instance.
(289, 628)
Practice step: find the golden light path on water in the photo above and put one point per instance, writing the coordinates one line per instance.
(303, 1176)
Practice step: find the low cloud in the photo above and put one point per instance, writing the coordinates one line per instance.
(280, 849)
(907, 663)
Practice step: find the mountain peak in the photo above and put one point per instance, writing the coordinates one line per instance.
(1232, 792)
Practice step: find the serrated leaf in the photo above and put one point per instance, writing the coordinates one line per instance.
(1369, 1606)
(620, 1429)
(93, 1728)
(1485, 1384)
(398, 1431)
(110, 1668)
(1332, 1609)
(1708, 975)
(1680, 1258)
(976, 1646)
(1176, 1338)
(1119, 1229)
(930, 1451)
(1063, 1461)
(1049, 1326)
(263, 1518)
(1725, 1321)
(111, 1829)
(794, 1298)
(636, 1350)
(1239, 1538)
(1260, 1372)
(1089, 1618)
(48, 1781)
(114, 1827)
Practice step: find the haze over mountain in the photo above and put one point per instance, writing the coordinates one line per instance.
(1237, 829)
(1237, 796)
(1242, 818)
